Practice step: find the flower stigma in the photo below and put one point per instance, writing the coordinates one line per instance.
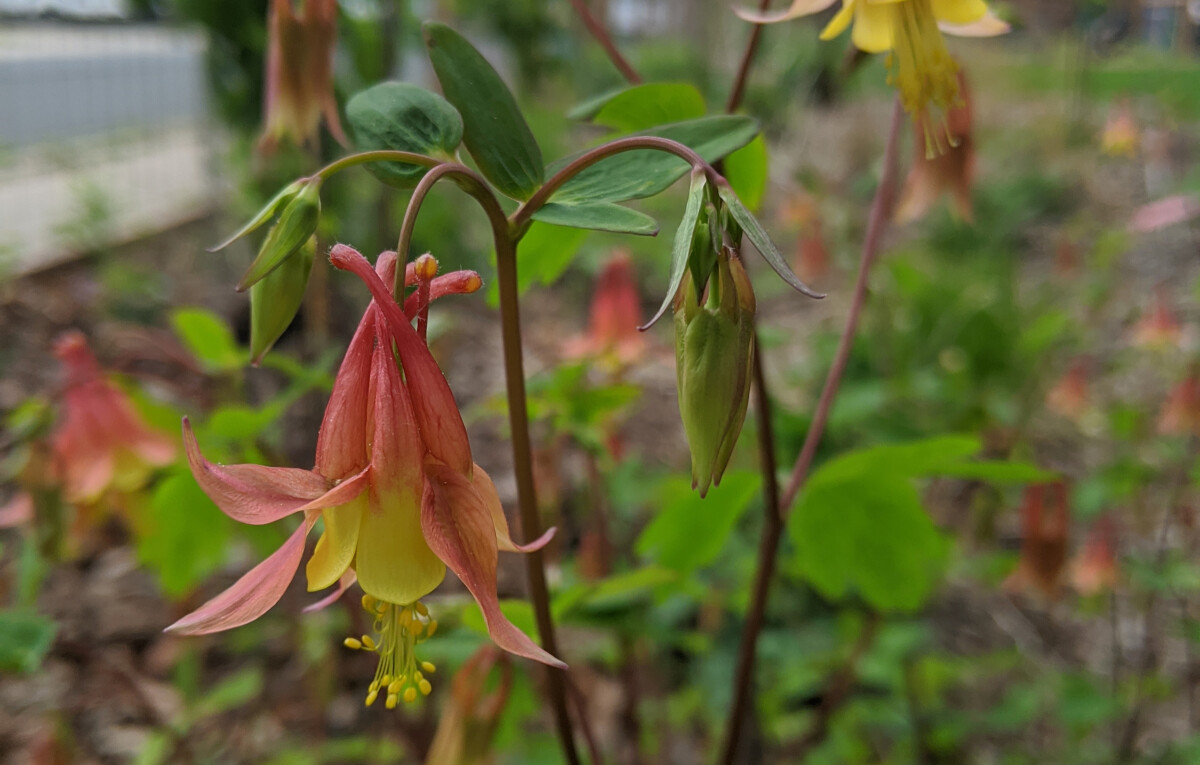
(398, 630)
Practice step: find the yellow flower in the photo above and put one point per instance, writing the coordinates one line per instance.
(910, 31)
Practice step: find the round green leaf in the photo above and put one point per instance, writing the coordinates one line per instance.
(403, 117)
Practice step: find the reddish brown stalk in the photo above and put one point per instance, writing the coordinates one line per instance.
(777, 509)
(739, 83)
(597, 29)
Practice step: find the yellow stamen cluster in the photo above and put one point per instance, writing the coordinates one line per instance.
(921, 68)
(398, 631)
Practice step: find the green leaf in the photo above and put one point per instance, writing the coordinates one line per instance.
(234, 691)
(913, 459)
(690, 532)
(403, 117)
(207, 337)
(494, 131)
(603, 216)
(25, 639)
(758, 236)
(746, 171)
(184, 537)
(545, 252)
(999, 472)
(644, 106)
(868, 535)
(681, 248)
(645, 172)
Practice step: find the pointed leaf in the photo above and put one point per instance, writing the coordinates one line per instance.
(403, 117)
(603, 216)
(268, 211)
(296, 224)
(762, 242)
(494, 130)
(645, 172)
(682, 246)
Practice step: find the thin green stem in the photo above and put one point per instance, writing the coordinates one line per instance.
(540, 197)
(381, 155)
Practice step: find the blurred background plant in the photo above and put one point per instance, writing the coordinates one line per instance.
(992, 561)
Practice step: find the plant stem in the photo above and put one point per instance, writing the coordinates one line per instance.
(739, 82)
(381, 155)
(518, 417)
(525, 212)
(777, 509)
(600, 32)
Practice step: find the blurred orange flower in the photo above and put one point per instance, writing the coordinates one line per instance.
(299, 87)
(102, 443)
(1045, 526)
(1181, 412)
(1120, 135)
(615, 315)
(950, 170)
(1158, 327)
(1069, 396)
(1094, 569)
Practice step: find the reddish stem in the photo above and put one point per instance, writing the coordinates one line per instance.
(600, 32)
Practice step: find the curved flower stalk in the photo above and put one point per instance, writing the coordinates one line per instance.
(396, 487)
(910, 32)
(102, 444)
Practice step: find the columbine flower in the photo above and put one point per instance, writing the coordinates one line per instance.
(300, 73)
(1158, 328)
(1120, 135)
(102, 443)
(1045, 523)
(616, 314)
(910, 31)
(1069, 396)
(1180, 414)
(396, 487)
(1095, 568)
(949, 171)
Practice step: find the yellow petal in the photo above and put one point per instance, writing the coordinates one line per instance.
(839, 22)
(959, 11)
(335, 549)
(873, 27)
(394, 562)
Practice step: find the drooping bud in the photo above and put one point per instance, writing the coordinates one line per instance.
(275, 300)
(296, 224)
(285, 195)
(714, 343)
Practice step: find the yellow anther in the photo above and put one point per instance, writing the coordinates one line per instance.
(368, 602)
(371, 697)
(385, 680)
(391, 700)
(425, 687)
(417, 676)
(395, 687)
(428, 667)
(374, 686)
(369, 642)
(426, 267)
(421, 609)
(410, 694)
(431, 628)
(353, 643)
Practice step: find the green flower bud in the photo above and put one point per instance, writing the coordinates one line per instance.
(276, 298)
(296, 224)
(714, 343)
(285, 195)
